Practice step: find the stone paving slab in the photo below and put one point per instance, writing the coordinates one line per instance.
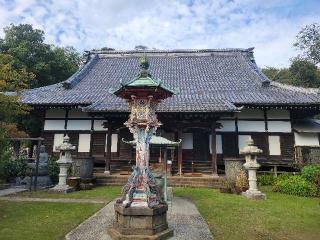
(12, 190)
(183, 217)
(63, 200)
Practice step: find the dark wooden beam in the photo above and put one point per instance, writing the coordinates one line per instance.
(213, 150)
(180, 130)
(108, 153)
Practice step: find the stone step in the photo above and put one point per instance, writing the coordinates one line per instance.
(172, 181)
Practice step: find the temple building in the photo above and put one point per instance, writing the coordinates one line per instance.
(223, 98)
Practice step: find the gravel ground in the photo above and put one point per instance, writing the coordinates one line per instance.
(183, 217)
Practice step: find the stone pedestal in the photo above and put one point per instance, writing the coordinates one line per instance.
(140, 223)
(254, 195)
(62, 189)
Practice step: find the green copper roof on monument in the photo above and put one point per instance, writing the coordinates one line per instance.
(144, 80)
(156, 140)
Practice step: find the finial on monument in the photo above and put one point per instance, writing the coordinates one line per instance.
(144, 66)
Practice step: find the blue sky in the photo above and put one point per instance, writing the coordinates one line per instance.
(268, 25)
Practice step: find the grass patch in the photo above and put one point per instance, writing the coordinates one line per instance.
(106, 193)
(35, 221)
(45, 220)
(281, 216)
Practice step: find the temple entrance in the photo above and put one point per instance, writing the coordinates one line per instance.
(201, 154)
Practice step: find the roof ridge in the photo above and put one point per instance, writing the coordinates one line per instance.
(77, 76)
(315, 91)
(207, 50)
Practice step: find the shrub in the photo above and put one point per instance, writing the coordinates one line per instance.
(295, 185)
(53, 169)
(311, 173)
(266, 180)
(13, 168)
(283, 176)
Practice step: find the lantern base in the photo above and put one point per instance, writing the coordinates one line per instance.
(256, 195)
(140, 223)
(62, 189)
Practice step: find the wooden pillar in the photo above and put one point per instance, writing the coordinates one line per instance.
(213, 150)
(180, 152)
(91, 137)
(108, 153)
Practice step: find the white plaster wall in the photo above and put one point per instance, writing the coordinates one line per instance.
(218, 144)
(278, 114)
(251, 113)
(227, 126)
(251, 126)
(84, 143)
(55, 113)
(79, 125)
(77, 113)
(279, 126)
(242, 141)
(274, 145)
(54, 125)
(97, 125)
(187, 141)
(306, 139)
(57, 141)
(114, 142)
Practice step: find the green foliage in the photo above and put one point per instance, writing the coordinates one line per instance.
(303, 70)
(282, 75)
(13, 168)
(53, 169)
(311, 173)
(305, 73)
(296, 185)
(266, 180)
(308, 40)
(283, 176)
(49, 63)
(4, 153)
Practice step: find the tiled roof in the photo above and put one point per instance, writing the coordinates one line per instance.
(208, 81)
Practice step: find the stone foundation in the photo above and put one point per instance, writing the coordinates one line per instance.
(62, 189)
(256, 195)
(140, 223)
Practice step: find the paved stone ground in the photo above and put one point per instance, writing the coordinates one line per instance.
(183, 217)
(12, 190)
(62, 200)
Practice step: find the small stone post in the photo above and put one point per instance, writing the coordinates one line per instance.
(64, 163)
(251, 152)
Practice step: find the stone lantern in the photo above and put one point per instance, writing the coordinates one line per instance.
(141, 212)
(250, 151)
(64, 163)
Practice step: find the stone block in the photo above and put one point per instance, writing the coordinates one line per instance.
(256, 195)
(62, 189)
(140, 221)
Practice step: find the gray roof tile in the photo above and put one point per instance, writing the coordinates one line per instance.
(208, 80)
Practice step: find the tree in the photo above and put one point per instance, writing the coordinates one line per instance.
(11, 79)
(49, 63)
(305, 73)
(308, 40)
(282, 75)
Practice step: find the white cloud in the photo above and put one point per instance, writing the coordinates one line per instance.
(168, 24)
